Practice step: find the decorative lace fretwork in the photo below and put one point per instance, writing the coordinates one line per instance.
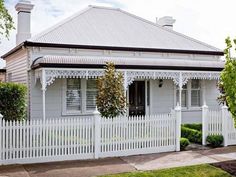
(180, 78)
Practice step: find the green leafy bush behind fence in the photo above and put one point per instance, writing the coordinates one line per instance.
(13, 101)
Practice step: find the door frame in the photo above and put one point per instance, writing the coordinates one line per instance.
(147, 108)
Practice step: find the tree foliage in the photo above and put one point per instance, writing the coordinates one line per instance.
(6, 21)
(13, 101)
(111, 98)
(227, 84)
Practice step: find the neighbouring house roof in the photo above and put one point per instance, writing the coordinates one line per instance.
(137, 63)
(115, 29)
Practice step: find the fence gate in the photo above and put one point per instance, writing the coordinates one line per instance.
(87, 138)
(218, 122)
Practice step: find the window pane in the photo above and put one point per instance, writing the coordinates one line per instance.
(195, 84)
(91, 94)
(185, 86)
(195, 98)
(183, 98)
(73, 95)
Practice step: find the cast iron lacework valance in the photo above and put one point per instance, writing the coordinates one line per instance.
(48, 75)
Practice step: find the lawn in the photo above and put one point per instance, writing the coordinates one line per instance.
(190, 171)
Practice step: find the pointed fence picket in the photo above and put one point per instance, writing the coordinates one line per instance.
(219, 122)
(33, 141)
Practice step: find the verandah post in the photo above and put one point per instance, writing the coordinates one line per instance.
(97, 134)
(224, 112)
(204, 123)
(178, 126)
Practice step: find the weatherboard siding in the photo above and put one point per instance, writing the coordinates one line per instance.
(162, 100)
(212, 93)
(16, 66)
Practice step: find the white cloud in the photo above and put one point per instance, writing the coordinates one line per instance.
(208, 21)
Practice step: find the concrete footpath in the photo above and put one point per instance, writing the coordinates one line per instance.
(89, 168)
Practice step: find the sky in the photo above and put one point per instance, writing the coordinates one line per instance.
(209, 21)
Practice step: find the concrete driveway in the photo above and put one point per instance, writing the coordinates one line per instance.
(91, 168)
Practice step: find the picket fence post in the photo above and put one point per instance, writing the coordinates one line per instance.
(204, 123)
(224, 112)
(1, 158)
(97, 134)
(178, 126)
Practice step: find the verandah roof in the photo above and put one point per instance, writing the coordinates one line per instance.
(130, 62)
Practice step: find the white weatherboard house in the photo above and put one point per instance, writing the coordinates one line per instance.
(161, 67)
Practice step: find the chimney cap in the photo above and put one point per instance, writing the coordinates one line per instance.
(24, 5)
(166, 21)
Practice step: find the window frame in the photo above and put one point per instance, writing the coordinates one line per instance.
(88, 111)
(83, 90)
(189, 96)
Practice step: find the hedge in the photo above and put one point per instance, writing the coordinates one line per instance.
(195, 126)
(215, 140)
(192, 135)
(184, 142)
(13, 101)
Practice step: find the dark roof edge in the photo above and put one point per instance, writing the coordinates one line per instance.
(192, 68)
(3, 70)
(39, 44)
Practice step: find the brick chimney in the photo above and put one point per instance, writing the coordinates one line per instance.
(166, 22)
(23, 7)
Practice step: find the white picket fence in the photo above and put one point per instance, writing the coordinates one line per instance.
(86, 138)
(218, 122)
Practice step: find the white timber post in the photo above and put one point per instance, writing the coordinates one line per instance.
(43, 82)
(224, 113)
(203, 86)
(180, 89)
(125, 90)
(1, 143)
(204, 123)
(97, 133)
(178, 126)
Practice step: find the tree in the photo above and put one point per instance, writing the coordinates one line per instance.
(111, 99)
(227, 84)
(6, 21)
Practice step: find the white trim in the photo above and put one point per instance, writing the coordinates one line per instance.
(65, 112)
(179, 77)
(83, 110)
(83, 88)
(188, 104)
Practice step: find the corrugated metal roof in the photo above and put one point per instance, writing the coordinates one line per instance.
(102, 26)
(94, 60)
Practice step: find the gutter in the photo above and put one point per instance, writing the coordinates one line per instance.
(190, 68)
(117, 48)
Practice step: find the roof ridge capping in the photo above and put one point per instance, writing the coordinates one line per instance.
(48, 30)
(104, 7)
(38, 36)
(80, 12)
(170, 30)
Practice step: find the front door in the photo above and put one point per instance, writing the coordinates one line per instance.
(137, 98)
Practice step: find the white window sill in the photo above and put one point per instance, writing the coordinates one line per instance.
(89, 113)
(185, 109)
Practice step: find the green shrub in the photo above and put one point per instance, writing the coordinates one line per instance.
(13, 101)
(111, 101)
(215, 140)
(184, 142)
(192, 135)
(197, 127)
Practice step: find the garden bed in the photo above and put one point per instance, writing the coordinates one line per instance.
(229, 166)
